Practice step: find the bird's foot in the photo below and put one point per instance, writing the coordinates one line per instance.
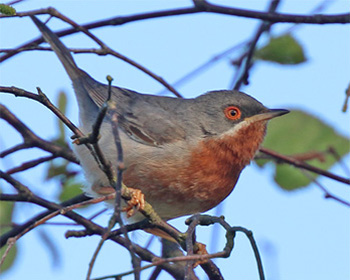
(136, 203)
(200, 249)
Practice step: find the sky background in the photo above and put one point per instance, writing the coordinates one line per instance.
(300, 234)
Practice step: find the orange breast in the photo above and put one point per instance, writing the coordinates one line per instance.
(200, 181)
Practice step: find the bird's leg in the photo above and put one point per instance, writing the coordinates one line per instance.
(135, 203)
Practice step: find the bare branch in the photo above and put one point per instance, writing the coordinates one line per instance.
(304, 165)
(89, 225)
(31, 140)
(327, 194)
(264, 27)
(43, 99)
(30, 164)
(201, 6)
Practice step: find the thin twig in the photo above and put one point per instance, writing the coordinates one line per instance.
(304, 165)
(30, 164)
(206, 220)
(201, 68)
(264, 27)
(14, 2)
(251, 239)
(118, 184)
(114, 180)
(89, 225)
(31, 140)
(327, 194)
(11, 242)
(98, 214)
(339, 160)
(19, 228)
(202, 7)
(190, 239)
(44, 100)
(346, 101)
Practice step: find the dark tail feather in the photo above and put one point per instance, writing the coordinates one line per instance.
(61, 51)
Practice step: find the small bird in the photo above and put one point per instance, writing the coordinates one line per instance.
(185, 155)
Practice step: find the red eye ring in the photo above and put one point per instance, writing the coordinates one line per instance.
(232, 113)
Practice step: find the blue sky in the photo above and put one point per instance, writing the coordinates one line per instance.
(300, 234)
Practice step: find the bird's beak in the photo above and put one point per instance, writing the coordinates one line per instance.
(268, 115)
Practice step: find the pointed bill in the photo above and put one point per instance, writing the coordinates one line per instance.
(270, 114)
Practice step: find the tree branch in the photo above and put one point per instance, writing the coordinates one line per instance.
(201, 6)
(303, 165)
(264, 27)
(89, 225)
(31, 140)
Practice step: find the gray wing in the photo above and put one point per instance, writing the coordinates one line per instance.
(143, 119)
(151, 124)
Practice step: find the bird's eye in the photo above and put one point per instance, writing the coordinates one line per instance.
(232, 113)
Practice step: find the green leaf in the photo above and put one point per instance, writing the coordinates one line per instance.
(7, 10)
(10, 258)
(70, 189)
(284, 49)
(300, 133)
(57, 168)
(61, 171)
(6, 211)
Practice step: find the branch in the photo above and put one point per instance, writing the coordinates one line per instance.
(127, 194)
(31, 140)
(208, 266)
(223, 54)
(103, 51)
(264, 27)
(19, 228)
(204, 6)
(90, 226)
(30, 164)
(206, 220)
(44, 100)
(201, 6)
(327, 194)
(115, 180)
(303, 165)
(106, 50)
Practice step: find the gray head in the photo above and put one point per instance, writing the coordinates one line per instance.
(217, 112)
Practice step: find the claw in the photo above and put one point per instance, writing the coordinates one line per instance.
(200, 250)
(136, 203)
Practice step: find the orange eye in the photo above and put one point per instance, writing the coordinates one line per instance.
(232, 113)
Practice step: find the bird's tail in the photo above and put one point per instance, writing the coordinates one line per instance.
(61, 51)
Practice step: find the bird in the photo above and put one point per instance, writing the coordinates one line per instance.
(184, 155)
